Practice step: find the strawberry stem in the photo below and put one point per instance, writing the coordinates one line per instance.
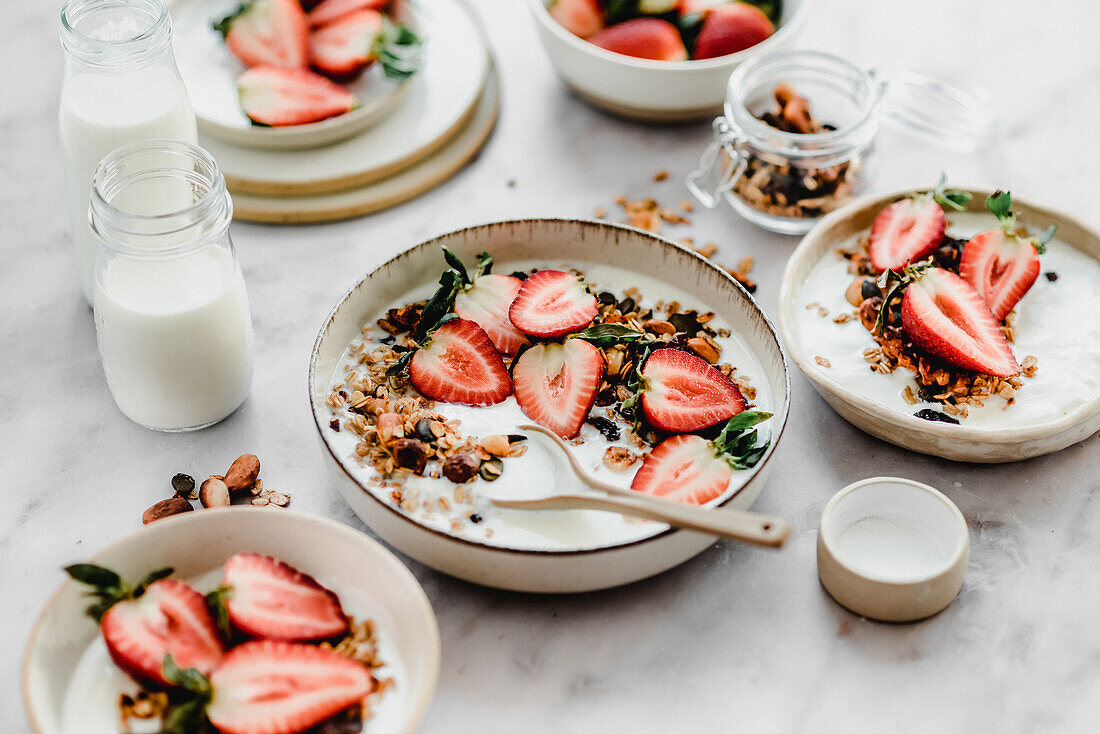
(1000, 204)
(108, 588)
(189, 716)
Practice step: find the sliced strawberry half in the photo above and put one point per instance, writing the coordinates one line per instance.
(268, 32)
(272, 687)
(731, 28)
(944, 315)
(278, 96)
(327, 11)
(685, 469)
(683, 394)
(580, 17)
(556, 384)
(643, 38)
(486, 303)
(342, 49)
(459, 364)
(906, 232)
(273, 600)
(552, 303)
(1001, 267)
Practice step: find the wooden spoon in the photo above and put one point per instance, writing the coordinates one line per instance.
(747, 527)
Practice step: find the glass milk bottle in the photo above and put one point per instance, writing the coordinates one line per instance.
(171, 311)
(121, 86)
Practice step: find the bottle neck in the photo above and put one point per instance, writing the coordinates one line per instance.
(115, 33)
(159, 199)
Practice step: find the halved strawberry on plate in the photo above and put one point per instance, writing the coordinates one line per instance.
(486, 302)
(580, 17)
(552, 303)
(267, 32)
(457, 363)
(1001, 264)
(911, 229)
(271, 599)
(158, 617)
(731, 28)
(327, 11)
(691, 469)
(280, 96)
(274, 687)
(643, 38)
(944, 315)
(344, 48)
(556, 384)
(682, 393)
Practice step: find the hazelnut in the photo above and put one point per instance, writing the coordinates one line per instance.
(242, 474)
(461, 468)
(166, 508)
(496, 444)
(214, 493)
(410, 453)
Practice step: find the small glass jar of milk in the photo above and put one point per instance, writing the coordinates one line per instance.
(121, 86)
(171, 311)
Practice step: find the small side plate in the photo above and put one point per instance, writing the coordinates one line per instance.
(210, 74)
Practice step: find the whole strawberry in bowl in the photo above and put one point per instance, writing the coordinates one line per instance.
(660, 60)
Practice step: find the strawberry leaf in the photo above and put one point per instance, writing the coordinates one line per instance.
(737, 444)
(440, 304)
(454, 262)
(150, 579)
(95, 576)
(607, 335)
(215, 602)
(223, 25)
(188, 717)
(484, 263)
(949, 199)
(189, 680)
(398, 49)
(1000, 204)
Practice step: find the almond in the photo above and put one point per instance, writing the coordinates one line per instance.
(496, 444)
(703, 348)
(214, 493)
(242, 474)
(166, 508)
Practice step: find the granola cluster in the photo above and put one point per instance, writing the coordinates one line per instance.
(956, 390)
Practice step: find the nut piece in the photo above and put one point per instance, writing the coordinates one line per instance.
(658, 327)
(390, 426)
(166, 508)
(854, 294)
(410, 453)
(214, 493)
(461, 468)
(703, 348)
(242, 474)
(496, 444)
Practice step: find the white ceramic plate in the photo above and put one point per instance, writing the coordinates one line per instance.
(562, 569)
(390, 191)
(893, 420)
(210, 74)
(369, 579)
(441, 97)
(653, 90)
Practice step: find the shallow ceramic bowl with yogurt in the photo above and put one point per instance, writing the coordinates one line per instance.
(68, 677)
(210, 72)
(644, 89)
(546, 551)
(1056, 408)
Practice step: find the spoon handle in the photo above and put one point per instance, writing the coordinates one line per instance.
(747, 527)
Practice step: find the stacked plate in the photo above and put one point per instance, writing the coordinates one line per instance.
(405, 138)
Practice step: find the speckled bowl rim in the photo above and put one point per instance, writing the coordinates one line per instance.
(657, 241)
(431, 638)
(543, 17)
(823, 383)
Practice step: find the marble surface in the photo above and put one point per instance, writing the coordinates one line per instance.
(738, 638)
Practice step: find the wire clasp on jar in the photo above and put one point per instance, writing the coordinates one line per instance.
(717, 173)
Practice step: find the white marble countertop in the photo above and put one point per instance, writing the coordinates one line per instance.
(737, 639)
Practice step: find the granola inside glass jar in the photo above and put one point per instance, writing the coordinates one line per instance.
(792, 144)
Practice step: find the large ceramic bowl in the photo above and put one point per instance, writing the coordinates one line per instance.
(1015, 439)
(369, 579)
(659, 91)
(545, 240)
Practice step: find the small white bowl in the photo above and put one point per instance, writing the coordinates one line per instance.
(552, 240)
(892, 549)
(644, 89)
(356, 567)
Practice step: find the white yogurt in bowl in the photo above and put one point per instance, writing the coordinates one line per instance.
(540, 471)
(546, 551)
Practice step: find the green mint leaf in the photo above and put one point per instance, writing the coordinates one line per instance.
(606, 335)
(94, 576)
(737, 444)
(454, 262)
(999, 204)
